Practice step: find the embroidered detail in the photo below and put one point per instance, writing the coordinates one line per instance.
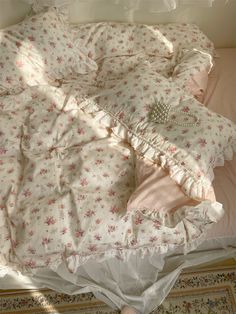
(161, 113)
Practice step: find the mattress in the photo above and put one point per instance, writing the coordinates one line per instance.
(220, 97)
(113, 280)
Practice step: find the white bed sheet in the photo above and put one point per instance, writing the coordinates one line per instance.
(144, 282)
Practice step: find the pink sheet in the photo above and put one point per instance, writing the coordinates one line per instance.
(221, 90)
(151, 181)
(220, 97)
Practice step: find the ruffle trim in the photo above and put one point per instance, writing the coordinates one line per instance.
(197, 221)
(193, 187)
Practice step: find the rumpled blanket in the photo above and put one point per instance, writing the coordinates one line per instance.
(66, 177)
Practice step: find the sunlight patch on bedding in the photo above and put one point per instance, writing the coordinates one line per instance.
(28, 62)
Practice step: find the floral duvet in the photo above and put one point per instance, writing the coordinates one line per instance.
(67, 175)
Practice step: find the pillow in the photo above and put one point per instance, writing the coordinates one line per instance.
(187, 36)
(189, 150)
(39, 50)
(192, 70)
(122, 39)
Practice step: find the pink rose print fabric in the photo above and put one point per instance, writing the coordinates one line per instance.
(105, 40)
(68, 154)
(38, 51)
(189, 152)
(64, 187)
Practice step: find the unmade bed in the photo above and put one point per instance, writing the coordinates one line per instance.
(70, 164)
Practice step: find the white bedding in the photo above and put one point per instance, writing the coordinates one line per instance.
(66, 180)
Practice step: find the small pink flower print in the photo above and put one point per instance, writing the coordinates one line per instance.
(81, 197)
(51, 201)
(177, 232)
(98, 162)
(9, 171)
(43, 171)
(92, 248)
(153, 239)
(27, 193)
(121, 115)
(59, 60)
(111, 228)
(111, 192)
(79, 233)
(202, 142)
(31, 250)
(52, 44)
(64, 230)
(98, 221)
(83, 182)
(188, 145)
(14, 244)
(80, 131)
(70, 213)
(114, 210)
(31, 233)
(172, 149)
(97, 237)
(138, 220)
(50, 221)
(200, 174)
(72, 167)
(18, 44)
(157, 224)
(93, 138)
(31, 38)
(134, 242)
(7, 237)
(47, 261)
(186, 109)
(30, 263)
(3, 151)
(19, 64)
(89, 213)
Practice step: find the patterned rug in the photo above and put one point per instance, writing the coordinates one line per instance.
(204, 291)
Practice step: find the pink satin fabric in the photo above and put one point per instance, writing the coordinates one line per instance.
(156, 190)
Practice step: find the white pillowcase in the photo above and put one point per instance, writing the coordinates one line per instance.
(38, 51)
(189, 152)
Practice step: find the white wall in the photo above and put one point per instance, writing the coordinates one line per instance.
(218, 22)
(12, 12)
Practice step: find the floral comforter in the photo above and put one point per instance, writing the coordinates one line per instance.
(66, 179)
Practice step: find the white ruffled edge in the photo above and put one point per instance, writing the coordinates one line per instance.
(194, 188)
(207, 213)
